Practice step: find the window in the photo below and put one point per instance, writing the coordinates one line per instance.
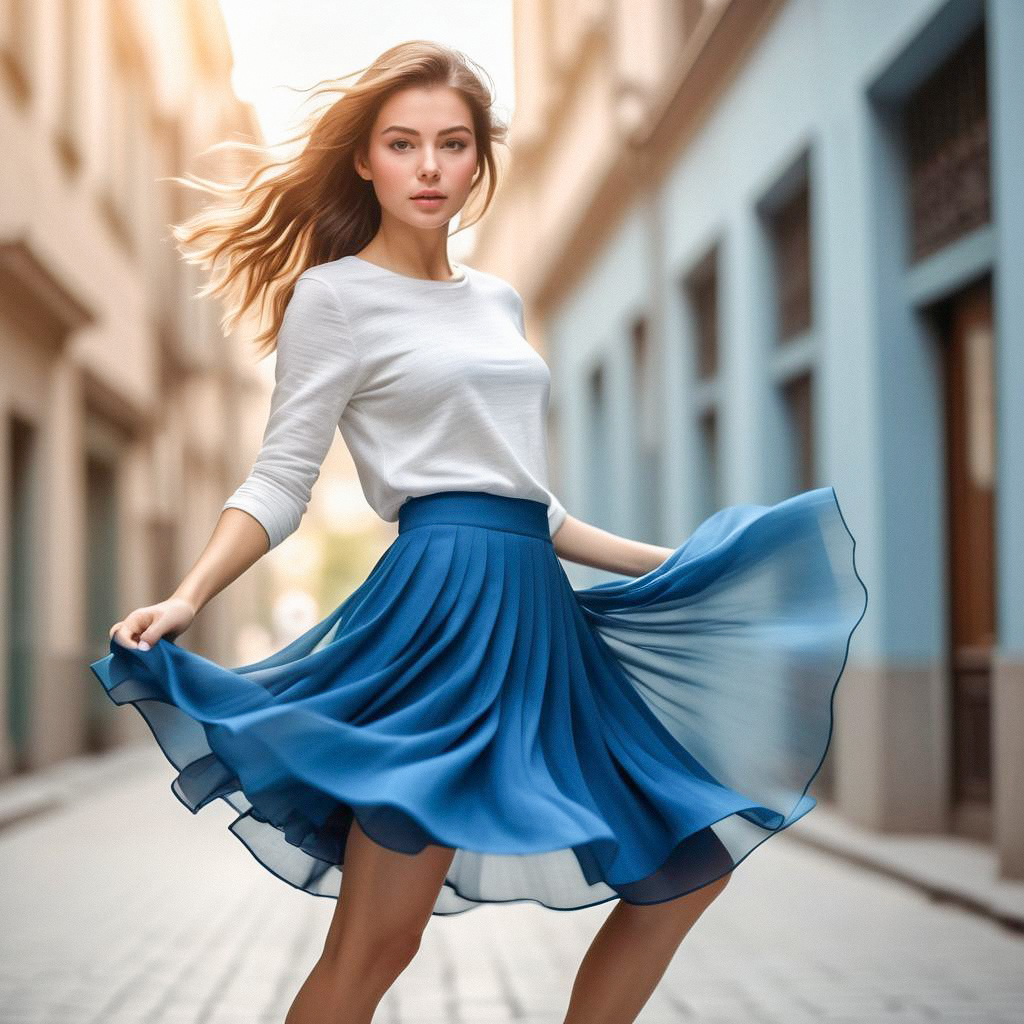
(701, 298)
(646, 433)
(790, 345)
(947, 148)
(797, 397)
(790, 230)
(703, 292)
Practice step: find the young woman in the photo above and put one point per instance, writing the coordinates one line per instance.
(467, 728)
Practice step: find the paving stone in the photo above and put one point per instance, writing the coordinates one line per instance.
(123, 908)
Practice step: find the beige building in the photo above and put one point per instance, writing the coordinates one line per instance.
(775, 245)
(120, 401)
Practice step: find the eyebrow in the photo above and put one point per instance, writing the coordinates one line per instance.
(412, 131)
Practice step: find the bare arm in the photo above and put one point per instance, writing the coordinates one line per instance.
(581, 542)
(237, 542)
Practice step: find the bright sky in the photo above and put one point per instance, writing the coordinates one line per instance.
(297, 43)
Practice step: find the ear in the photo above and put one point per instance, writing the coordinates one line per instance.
(361, 166)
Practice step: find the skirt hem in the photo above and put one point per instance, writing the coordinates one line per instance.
(665, 730)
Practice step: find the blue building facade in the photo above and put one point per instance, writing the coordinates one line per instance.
(826, 287)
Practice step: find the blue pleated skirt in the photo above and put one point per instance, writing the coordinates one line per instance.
(635, 739)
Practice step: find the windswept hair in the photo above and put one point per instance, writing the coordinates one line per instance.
(288, 214)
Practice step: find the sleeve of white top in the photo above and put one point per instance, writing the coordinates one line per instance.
(316, 373)
(556, 515)
(556, 510)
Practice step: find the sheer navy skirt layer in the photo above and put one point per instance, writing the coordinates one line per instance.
(635, 739)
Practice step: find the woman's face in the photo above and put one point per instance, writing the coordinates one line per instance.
(422, 139)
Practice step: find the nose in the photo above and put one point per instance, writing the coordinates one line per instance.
(429, 164)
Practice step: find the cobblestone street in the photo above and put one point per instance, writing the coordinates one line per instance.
(126, 909)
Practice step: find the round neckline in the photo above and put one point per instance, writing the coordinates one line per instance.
(450, 283)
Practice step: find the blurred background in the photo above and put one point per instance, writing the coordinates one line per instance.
(769, 245)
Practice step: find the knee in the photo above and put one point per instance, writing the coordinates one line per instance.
(395, 952)
(374, 954)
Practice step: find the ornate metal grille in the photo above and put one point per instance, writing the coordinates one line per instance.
(947, 143)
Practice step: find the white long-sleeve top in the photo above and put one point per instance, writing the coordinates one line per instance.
(432, 385)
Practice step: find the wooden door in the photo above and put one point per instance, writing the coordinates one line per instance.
(971, 467)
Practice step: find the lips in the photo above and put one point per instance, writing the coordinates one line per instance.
(429, 202)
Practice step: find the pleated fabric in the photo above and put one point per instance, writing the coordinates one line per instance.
(633, 739)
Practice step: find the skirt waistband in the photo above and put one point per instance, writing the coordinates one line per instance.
(475, 508)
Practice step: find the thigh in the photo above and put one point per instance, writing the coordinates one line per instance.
(674, 916)
(386, 897)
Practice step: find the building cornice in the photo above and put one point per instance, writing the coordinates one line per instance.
(652, 126)
(32, 296)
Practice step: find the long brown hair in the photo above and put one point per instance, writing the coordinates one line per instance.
(289, 214)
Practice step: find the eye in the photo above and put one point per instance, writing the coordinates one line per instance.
(405, 142)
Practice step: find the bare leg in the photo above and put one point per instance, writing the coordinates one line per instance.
(385, 903)
(629, 955)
